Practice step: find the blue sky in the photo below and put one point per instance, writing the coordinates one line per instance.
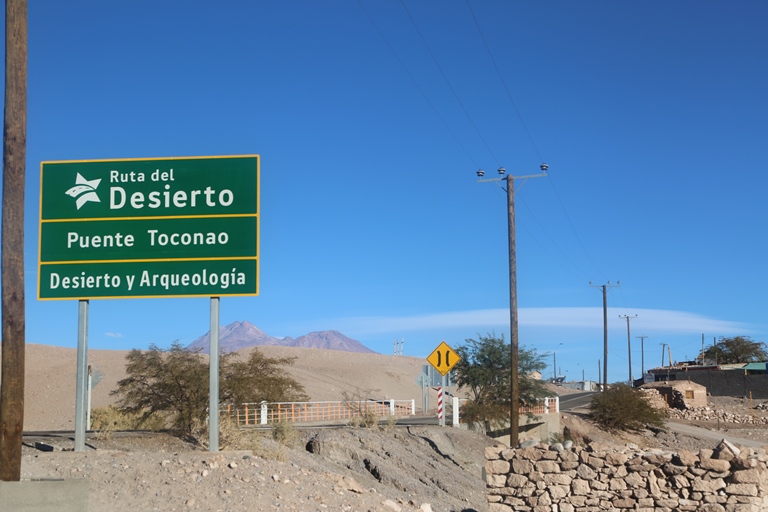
(371, 119)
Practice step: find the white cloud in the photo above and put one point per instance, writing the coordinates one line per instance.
(650, 320)
(113, 335)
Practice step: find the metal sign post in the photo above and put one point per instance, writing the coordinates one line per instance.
(148, 227)
(213, 399)
(442, 359)
(442, 399)
(81, 388)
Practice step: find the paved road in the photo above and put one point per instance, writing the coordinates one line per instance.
(711, 434)
(576, 401)
(581, 401)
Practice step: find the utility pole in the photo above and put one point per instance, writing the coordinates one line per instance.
(514, 395)
(629, 347)
(663, 346)
(599, 384)
(605, 327)
(642, 353)
(12, 258)
(554, 363)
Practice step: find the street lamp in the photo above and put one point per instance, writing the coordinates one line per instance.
(514, 399)
(554, 362)
(605, 288)
(629, 347)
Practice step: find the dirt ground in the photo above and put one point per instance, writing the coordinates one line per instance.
(379, 469)
(345, 469)
(739, 411)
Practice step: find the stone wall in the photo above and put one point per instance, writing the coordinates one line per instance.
(566, 478)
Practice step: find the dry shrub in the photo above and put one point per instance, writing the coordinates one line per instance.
(284, 433)
(273, 445)
(365, 419)
(622, 408)
(357, 405)
(111, 419)
(391, 423)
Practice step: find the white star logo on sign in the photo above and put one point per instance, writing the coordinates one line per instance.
(84, 191)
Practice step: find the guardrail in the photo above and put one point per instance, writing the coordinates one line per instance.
(263, 413)
(551, 405)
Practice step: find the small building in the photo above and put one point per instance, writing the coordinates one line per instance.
(760, 368)
(581, 385)
(680, 394)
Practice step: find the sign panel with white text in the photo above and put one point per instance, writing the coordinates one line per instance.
(161, 227)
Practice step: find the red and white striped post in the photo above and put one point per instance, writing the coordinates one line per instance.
(440, 415)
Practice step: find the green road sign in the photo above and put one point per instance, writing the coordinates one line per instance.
(131, 239)
(134, 219)
(188, 278)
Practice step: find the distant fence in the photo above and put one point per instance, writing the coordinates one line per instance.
(550, 405)
(264, 413)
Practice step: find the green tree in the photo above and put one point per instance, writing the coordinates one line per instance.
(621, 407)
(739, 349)
(484, 370)
(174, 383)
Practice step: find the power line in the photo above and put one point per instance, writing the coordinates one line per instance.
(472, 121)
(573, 228)
(448, 82)
(416, 84)
(552, 240)
(503, 82)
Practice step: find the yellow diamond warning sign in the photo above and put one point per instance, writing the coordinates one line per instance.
(443, 358)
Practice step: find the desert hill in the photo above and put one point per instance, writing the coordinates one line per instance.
(239, 335)
(325, 374)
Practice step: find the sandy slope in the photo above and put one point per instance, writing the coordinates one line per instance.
(326, 375)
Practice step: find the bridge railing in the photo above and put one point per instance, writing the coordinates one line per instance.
(263, 413)
(550, 405)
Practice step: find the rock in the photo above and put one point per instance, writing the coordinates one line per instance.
(685, 458)
(392, 505)
(497, 466)
(715, 464)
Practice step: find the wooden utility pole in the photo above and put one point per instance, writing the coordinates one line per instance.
(514, 391)
(514, 396)
(605, 337)
(14, 155)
